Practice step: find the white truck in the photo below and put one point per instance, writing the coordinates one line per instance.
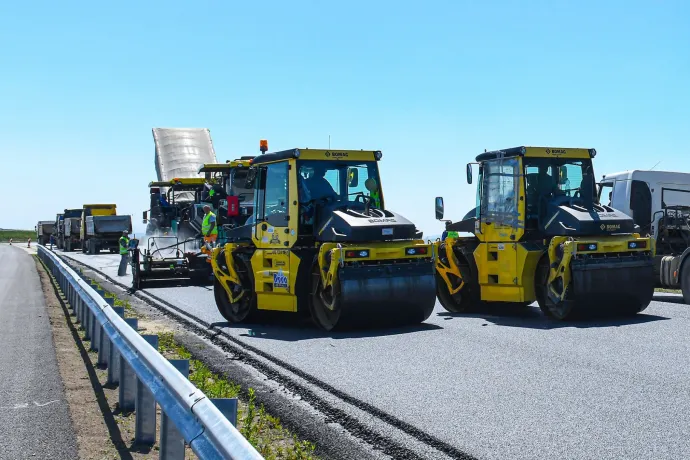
(659, 202)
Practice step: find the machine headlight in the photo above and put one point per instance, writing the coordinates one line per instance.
(378, 155)
(416, 251)
(587, 247)
(593, 152)
(637, 245)
(357, 254)
(296, 153)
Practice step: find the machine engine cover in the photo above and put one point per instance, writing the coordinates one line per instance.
(352, 225)
(565, 220)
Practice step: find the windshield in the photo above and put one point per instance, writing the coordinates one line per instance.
(546, 176)
(345, 181)
(238, 186)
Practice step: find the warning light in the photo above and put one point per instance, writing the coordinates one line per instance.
(263, 145)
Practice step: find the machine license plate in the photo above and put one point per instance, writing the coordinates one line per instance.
(387, 232)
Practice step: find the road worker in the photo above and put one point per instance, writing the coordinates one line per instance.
(208, 227)
(124, 253)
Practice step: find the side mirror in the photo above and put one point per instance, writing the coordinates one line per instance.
(352, 177)
(439, 208)
(145, 217)
(469, 175)
(251, 177)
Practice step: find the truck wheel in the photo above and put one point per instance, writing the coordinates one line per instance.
(68, 247)
(685, 280)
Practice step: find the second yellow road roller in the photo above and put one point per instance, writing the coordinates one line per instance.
(539, 233)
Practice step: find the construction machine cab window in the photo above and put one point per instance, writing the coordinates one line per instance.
(237, 186)
(272, 199)
(501, 189)
(343, 181)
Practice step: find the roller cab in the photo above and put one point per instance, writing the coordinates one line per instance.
(322, 243)
(539, 233)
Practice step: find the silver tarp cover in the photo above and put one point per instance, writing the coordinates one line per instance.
(180, 152)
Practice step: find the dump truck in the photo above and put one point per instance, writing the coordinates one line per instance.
(322, 243)
(70, 237)
(59, 230)
(540, 234)
(101, 228)
(44, 229)
(659, 203)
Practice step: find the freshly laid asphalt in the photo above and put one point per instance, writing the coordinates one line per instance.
(502, 384)
(34, 415)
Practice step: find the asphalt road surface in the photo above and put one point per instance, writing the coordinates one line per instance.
(34, 415)
(500, 384)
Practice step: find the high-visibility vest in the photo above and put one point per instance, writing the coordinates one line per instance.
(124, 243)
(206, 225)
(376, 196)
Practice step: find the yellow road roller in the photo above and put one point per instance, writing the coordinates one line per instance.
(539, 233)
(322, 243)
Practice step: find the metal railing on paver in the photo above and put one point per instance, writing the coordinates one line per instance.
(145, 378)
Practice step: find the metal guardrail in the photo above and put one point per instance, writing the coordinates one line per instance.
(146, 379)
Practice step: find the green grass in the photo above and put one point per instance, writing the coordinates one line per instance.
(261, 429)
(17, 235)
(670, 291)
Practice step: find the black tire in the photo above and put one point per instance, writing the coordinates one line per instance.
(324, 317)
(468, 300)
(685, 280)
(562, 311)
(238, 312)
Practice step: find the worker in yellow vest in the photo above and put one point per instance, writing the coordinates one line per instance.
(124, 253)
(208, 227)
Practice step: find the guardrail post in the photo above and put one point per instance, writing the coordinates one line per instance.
(114, 355)
(95, 332)
(171, 441)
(103, 342)
(145, 407)
(103, 347)
(79, 310)
(128, 379)
(87, 323)
(227, 407)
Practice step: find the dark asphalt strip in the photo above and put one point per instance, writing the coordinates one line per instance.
(332, 413)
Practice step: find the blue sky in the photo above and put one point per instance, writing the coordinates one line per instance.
(431, 84)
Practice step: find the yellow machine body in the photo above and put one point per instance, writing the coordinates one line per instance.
(289, 265)
(502, 261)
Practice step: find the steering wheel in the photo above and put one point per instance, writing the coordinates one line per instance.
(360, 197)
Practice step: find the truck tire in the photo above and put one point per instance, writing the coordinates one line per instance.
(685, 280)
(68, 246)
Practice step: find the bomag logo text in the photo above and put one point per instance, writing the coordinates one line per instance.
(381, 221)
(610, 227)
(555, 151)
(336, 154)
